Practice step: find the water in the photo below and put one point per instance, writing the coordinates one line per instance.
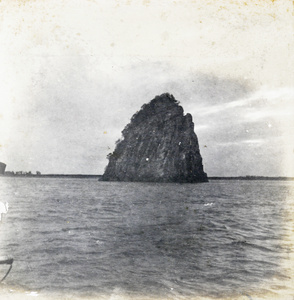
(84, 238)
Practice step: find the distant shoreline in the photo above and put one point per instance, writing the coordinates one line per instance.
(252, 178)
(281, 178)
(53, 176)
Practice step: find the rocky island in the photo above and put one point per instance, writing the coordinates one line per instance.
(158, 145)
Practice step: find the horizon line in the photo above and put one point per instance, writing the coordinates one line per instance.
(245, 177)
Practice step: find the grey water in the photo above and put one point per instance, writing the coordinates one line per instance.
(88, 238)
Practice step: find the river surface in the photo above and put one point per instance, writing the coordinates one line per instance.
(81, 238)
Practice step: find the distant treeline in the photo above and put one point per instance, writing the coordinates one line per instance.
(251, 178)
(51, 175)
(71, 175)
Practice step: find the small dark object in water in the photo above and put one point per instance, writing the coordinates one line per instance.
(6, 261)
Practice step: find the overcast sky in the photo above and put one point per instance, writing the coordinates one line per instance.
(72, 73)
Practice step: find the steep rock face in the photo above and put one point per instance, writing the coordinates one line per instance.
(158, 145)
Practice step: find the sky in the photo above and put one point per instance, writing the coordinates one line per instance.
(73, 72)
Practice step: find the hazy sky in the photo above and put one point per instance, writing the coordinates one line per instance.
(72, 73)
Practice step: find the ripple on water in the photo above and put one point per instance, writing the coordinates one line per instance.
(81, 236)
